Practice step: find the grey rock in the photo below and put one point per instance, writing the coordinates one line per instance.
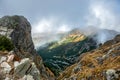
(27, 67)
(11, 52)
(112, 75)
(6, 67)
(3, 58)
(16, 63)
(35, 72)
(20, 35)
(27, 77)
(21, 69)
(7, 78)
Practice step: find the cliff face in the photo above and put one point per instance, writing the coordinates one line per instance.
(100, 64)
(18, 29)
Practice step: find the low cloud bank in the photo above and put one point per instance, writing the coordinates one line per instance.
(104, 19)
(48, 29)
(100, 20)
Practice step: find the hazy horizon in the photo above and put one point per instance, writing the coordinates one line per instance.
(57, 16)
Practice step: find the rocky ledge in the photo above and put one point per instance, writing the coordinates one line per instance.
(23, 63)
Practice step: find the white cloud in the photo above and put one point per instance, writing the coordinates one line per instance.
(102, 17)
(51, 25)
(64, 28)
(43, 26)
(48, 30)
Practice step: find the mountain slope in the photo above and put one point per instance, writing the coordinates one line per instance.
(59, 55)
(101, 64)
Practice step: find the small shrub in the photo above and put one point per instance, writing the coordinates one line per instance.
(5, 43)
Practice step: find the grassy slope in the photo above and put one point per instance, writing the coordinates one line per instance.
(92, 65)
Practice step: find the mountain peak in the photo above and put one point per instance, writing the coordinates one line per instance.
(73, 36)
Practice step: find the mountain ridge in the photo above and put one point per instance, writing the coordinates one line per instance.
(59, 55)
(101, 63)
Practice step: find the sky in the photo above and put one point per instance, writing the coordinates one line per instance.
(64, 15)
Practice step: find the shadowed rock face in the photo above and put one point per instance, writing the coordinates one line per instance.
(19, 30)
(21, 38)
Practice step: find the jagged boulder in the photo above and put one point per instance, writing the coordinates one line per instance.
(27, 67)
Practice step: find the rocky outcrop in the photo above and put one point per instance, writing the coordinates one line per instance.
(13, 69)
(99, 64)
(20, 35)
(18, 29)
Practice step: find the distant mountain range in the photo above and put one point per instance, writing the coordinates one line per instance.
(61, 54)
(58, 55)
